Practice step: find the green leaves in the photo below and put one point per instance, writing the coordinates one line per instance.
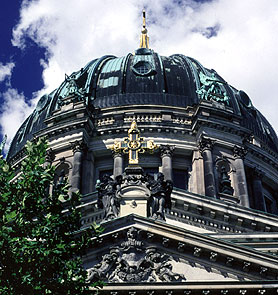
(40, 236)
(10, 216)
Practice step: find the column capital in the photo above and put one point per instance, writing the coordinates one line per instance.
(166, 150)
(239, 152)
(116, 153)
(78, 146)
(205, 143)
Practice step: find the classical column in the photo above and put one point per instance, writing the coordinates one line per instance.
(258, 189)
(118, 163)
(205, 146)
(241, 183)
(88, 172)
(166, 153)
(78, 148)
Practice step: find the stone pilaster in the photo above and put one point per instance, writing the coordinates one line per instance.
(78, 148)
(196, 180)
(258, 189)
(241, 183)
(166, 153)
(118, 163)
(205, 146)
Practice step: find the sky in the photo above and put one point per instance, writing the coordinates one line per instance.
(41, 40)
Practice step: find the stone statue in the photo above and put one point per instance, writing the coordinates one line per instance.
(107, 198)
(101, 270)
(61, 178)
(210, 89)
(160, 196)
(161, 264)
(71, 89)
(225, 182)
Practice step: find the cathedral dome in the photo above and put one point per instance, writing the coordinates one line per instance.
(177, 165)
(143, 79)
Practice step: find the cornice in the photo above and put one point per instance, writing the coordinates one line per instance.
(263, 287)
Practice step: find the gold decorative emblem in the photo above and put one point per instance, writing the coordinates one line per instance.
(134, 144)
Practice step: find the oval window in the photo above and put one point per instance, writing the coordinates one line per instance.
(143, 68)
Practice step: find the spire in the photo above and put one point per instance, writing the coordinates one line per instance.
(144, 39)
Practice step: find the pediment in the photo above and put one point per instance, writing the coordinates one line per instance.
(135, 249)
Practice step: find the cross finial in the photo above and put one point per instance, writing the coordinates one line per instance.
(134, 144)
(144, 40)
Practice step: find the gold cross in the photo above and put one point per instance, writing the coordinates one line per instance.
(133, 145)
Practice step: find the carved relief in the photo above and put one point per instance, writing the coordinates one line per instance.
(134, 263)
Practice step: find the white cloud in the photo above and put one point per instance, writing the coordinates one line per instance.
(6, 71)
(244, 52)
(14, 111)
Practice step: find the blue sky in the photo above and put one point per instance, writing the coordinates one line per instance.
(28, 69)
(41, 40)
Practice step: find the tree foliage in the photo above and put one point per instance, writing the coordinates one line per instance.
(40, 237)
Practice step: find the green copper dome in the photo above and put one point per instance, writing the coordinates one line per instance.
(146, 78)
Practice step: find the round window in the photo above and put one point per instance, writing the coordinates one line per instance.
(143, 68)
